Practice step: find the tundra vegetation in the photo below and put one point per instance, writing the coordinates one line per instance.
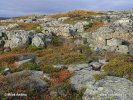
(58, 57)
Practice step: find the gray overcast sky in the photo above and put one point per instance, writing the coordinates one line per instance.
(10, 8)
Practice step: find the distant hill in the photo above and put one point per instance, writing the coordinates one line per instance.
(3, 18)
(76, 13)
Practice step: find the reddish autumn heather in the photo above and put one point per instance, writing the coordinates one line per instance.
(60, 77)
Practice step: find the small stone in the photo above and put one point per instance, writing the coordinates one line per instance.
(95, 65)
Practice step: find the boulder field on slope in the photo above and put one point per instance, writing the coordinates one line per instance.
(119, 26)
(20, 38)
(116, 36)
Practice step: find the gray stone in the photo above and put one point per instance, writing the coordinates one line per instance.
(39, 40)
(15, 42)
(123, 49)
(110, 88)
(1, 43)
(80, 41)
(13, 25)
(131, 50)
(114, 42)
(28, 80)
(95, 65)
(26, 56)
(78, 67)
(83, 77)
(0, 34)
(6, 71)
(81, 26)
(123, 25)
(58, 66)
(26, 59)
(103, 61)
(7, 49)
(46, 76)
(17, 39)
(63, 18)
(19, 63)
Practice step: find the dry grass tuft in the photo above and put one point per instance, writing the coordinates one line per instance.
(95, 26)
(119, 69)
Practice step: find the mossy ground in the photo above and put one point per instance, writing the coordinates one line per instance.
(119, 65)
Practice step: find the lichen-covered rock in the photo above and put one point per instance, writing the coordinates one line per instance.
(78, 67)
(17, 38)
(39, 40)
(110, 88)
(114, 42)
(95, 65)
(83, 77)
(81, 26)
(123, 25)
(27, 80)
(123, 49)
(113, 34)
(16, 42)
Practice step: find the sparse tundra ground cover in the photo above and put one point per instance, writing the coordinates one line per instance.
(78, 55)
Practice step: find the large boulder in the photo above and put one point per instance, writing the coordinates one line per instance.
(18, 38)
(26, 80)
(110, 88)
(39, 40)
(83, 77)
(114, 42)
(16, 42)
(81, 26)
(123, 25)
(112, 35)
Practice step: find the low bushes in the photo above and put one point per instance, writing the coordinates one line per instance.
(29, 66)
(85, 49)
(49, 69)
(75, 20)
(120, 69)
(64, 55)
(94, 26)
(65, 92)
(57, 41)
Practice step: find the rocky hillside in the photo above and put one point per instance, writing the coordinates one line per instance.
(78, 55)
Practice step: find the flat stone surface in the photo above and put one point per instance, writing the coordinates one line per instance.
(110, 88)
